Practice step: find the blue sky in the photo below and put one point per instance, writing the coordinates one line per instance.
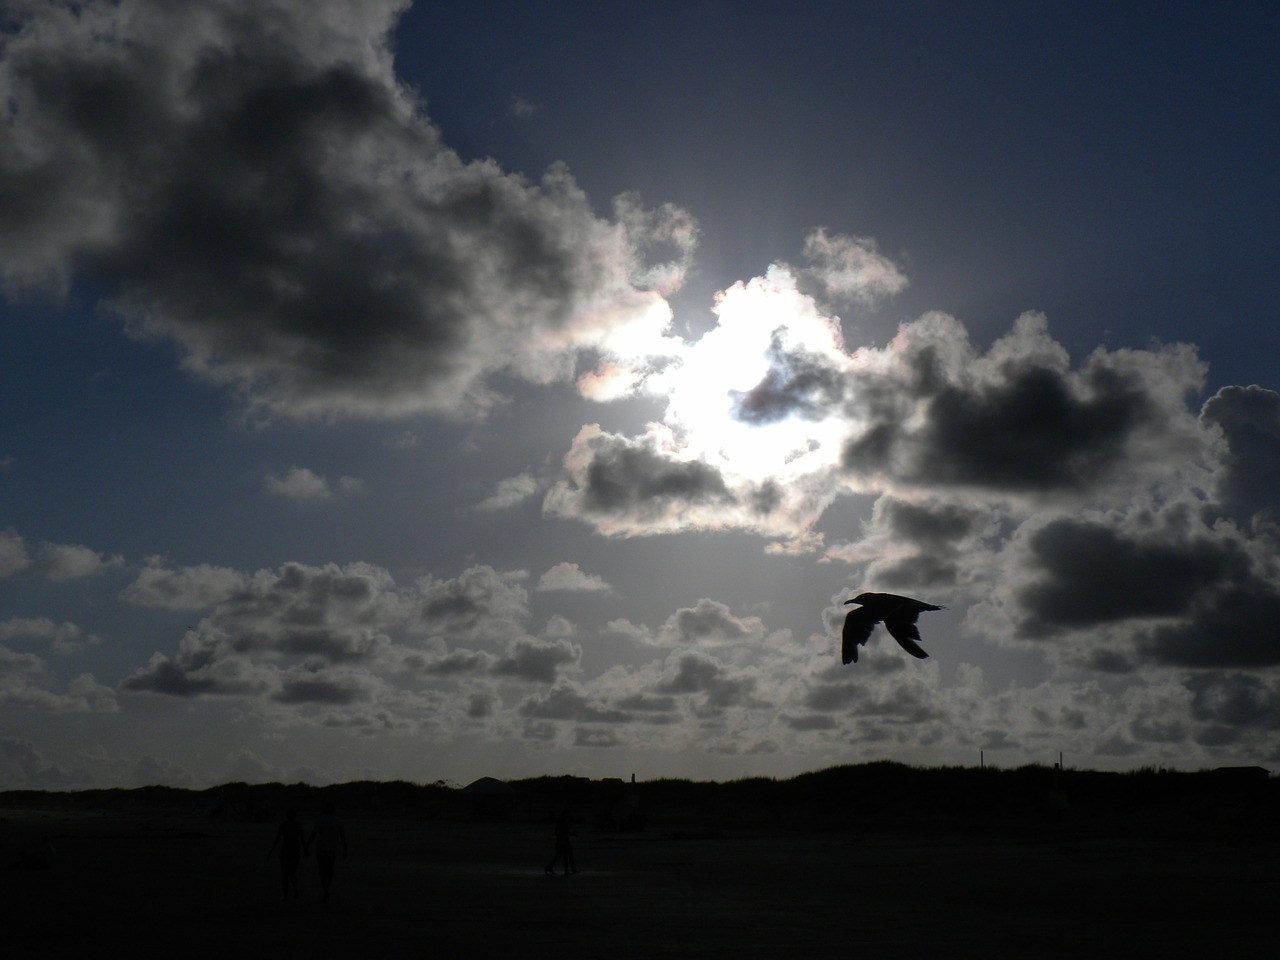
(501, 389)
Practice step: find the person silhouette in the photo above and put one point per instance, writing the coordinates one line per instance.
(327, 836)
(292, 844)
(564, 849)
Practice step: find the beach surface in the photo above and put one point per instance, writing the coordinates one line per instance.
(199, 887)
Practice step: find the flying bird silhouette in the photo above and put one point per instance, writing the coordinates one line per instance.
(899, 616)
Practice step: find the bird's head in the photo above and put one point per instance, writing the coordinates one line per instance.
(860, 598)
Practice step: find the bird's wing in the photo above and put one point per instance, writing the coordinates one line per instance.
(903, 629)
(857, 630)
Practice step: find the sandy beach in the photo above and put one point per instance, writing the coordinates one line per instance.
(198, 887)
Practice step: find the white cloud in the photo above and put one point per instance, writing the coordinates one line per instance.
(52, 561)
(569, 577)
(509, 492)
(71, 562)
(187, 588)
(851, 268)
(300, 483)
(62, 637)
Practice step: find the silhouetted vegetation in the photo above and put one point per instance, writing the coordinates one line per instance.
(872, 798)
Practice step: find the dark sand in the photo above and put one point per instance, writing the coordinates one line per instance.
(190, 887)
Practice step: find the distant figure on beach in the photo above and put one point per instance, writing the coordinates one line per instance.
(327, 837)
(564, 849)
(292, 844)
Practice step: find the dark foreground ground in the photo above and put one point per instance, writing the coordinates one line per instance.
(188, 886)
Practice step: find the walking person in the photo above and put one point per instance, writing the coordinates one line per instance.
(292, 843)
(327, 836)
(564, 849)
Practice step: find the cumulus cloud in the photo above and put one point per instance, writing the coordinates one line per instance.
(346, 647)
(63, 638)
(336, 615)
(186, 588)
(569, 577)
(709, 621)
(1018, 419)
(630, 487)
(1246, 483)
(52, 561)
(255, 185)
(26, 684)
(300, 483)
(22, 764)
(537, 660)
(70, 562)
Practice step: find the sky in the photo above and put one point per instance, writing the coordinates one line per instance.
(507, 389)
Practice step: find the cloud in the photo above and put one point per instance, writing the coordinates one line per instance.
(851, 268)
(52, 561)
(1246, 485)
(509, 492)
(333, 615)
(187, 588)
(537, 660)
(567, 702)
(627, 487)
(568, 577)
(63, 638)
(13, 553)
(695, 672)
(71, 562)
(523, 107)
(23, 765)
(480, 605)
(299, 483)
(709, 621)
(25, 686)
(1018, 420)
(256, 186)
(346, 647)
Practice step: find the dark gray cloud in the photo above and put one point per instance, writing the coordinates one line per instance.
(537, 660)
(329, 615)
(1032, 431)
(796, 384)
(1092, 573)
(708, 621)
(1235, 702)
(204, 664)
(479, 604)
(1017, 419)
(1233, 626)
(696, 673)
(623, 484)
(254, 184)
(942, 532)
(568, 703)
(313, 686)
(1249, 418)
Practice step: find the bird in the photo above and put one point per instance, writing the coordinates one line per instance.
(899, 616)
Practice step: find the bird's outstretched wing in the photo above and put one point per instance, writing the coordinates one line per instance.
(857, 630)
(902, 626)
